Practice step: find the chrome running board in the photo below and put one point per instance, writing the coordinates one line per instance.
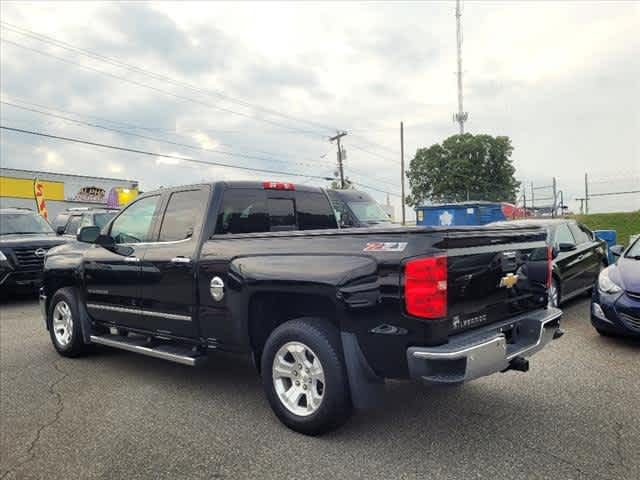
(173, 353)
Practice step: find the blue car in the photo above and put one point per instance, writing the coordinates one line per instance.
(615, 304)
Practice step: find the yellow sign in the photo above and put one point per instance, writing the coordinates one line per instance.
(38, 191)
(509, 280)
(23, 188)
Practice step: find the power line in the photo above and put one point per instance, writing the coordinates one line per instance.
(165, 92)
(169, 142)
(69, 47)
(177, 157)
(161, 155)
(155, 139)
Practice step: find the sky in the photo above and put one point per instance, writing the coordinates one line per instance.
(265, 85)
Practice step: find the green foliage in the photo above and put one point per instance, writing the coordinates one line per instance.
(335, 183)
(624, 223)
(463, 167)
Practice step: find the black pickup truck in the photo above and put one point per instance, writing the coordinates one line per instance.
(326, 313)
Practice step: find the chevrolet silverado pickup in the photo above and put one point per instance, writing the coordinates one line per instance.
(326, 314)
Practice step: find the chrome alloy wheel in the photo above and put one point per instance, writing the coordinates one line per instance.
(553, 294)
(62, 323)
(298, 378)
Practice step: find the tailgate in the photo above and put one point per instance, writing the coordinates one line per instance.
(494, 274)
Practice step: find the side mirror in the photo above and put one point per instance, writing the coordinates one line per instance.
(59, 229)
(88, 234)
(617, 250)
(567, 247)
(554, 252)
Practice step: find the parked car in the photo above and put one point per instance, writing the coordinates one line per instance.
(615, 304)
(327, 314)
(25, 238)
(71, 220)
(357, 209)
(578, 257)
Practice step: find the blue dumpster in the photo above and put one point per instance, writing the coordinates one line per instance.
(610, 237)
(459, 214)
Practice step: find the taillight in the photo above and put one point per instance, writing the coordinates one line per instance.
(425, 287)
(278, 186)
(549, 265)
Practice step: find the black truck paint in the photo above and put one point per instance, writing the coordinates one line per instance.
(219, 289)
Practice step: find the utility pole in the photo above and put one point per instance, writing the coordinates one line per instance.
(554, 211)
(533, 201)
(402, 170)
(586, 193)
(524, 201)
(337, 138)
(461, 116)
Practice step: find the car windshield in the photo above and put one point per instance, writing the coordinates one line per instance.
(101, 219)
(368, 212)
(634, 251)
(23, 223)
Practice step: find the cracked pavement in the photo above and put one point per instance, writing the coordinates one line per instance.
(114, 414)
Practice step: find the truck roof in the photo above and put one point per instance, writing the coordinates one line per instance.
(239, 184)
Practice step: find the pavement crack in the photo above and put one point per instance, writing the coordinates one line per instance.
(30, 452)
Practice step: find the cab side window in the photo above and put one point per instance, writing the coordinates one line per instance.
(182, 214)
(564, 235)
(134, 224)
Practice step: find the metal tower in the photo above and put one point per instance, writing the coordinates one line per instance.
(461, 116)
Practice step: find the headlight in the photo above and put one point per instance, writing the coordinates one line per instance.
(606, 285)
(2, 256)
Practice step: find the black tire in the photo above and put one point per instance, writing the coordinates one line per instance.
(323, 339)
(75, 345)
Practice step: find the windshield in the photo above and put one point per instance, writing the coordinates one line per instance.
(368, 212)
(23, 223)
(101, 219)
(634, 251)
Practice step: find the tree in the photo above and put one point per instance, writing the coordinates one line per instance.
(335, 183)
(463, 167)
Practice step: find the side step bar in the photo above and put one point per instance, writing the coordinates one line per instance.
(173, 353)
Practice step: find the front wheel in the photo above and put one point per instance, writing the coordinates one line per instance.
(304, 376)
(64, 324)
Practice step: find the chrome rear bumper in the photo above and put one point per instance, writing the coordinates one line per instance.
(484, 351)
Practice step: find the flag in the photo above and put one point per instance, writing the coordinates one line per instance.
(38, 191)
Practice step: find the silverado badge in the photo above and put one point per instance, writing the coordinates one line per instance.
(509, 280)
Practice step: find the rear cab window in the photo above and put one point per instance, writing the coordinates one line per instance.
(254, 210)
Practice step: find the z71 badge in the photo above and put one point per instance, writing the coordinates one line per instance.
(385, 247)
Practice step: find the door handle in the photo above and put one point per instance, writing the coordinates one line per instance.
(180, 260)
(580, 257)
(131, 259)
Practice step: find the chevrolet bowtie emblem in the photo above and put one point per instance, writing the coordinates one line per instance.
(509, 280)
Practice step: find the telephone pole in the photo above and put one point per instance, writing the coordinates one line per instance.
(402, 170)
(336, 139)
(461, 116)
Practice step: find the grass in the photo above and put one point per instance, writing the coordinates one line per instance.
(624, 223)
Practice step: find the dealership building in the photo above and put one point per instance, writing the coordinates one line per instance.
(62, 191)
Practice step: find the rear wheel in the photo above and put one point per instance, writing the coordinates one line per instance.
(304, 376)
(64, 324)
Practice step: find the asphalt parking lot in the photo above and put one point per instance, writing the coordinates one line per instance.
(119, 415)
